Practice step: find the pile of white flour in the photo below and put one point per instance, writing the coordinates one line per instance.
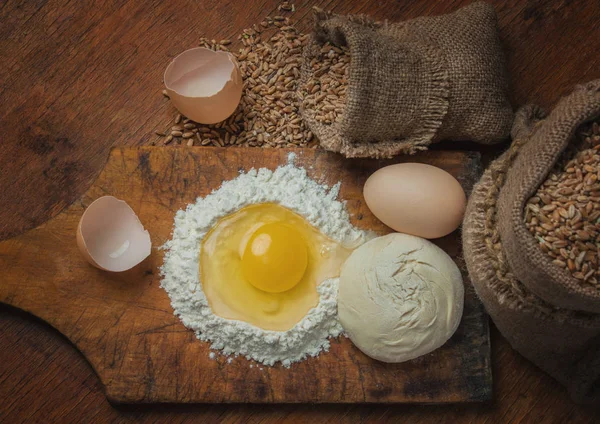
(290, 187)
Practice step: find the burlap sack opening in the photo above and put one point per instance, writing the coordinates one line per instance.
(564, 343)
(415, 82)
(532, 266)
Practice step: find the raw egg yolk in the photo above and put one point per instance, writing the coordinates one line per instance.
(251, 255)
(275, 258)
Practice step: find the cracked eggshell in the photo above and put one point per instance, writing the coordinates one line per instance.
(204, 85)
(111, 237)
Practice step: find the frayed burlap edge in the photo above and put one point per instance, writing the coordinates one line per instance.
(523, 318)
(543, 150)
(333, 138)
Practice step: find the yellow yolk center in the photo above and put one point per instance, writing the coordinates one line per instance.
(275, 258)
(263, 263)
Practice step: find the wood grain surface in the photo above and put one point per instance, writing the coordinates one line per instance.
(79, 77)
(124, 325)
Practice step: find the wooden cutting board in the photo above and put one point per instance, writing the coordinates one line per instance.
(124, 325)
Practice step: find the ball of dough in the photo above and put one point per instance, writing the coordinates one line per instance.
(400, 297)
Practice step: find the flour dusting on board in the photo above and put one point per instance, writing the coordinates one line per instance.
(289, 186)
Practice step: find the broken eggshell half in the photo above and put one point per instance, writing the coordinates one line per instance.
(111, 237)
(204, 85)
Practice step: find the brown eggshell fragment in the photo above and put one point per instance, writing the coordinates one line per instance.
(111, 237)
(417, 199)
(204, 85)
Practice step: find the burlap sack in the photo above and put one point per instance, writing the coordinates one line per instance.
(563, 342)
(530, 265)
(415, 82)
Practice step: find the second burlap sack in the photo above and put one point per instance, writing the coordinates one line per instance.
(533, 267)
(544, 312)
(415, 82)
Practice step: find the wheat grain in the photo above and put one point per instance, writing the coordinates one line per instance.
(564, 214)
(324, 94)
(270, 61)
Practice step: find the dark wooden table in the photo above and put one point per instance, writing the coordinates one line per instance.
(78, 77)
